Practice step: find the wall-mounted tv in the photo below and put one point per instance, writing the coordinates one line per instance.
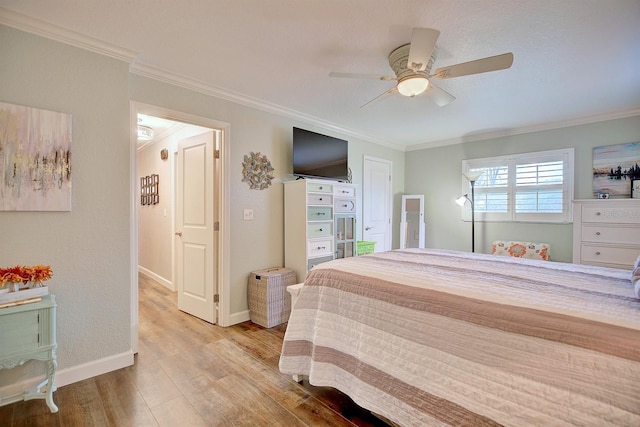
(319, 156)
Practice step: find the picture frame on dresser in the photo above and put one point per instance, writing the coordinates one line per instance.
(635, 188)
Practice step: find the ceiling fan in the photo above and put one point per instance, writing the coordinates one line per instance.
(412, 65)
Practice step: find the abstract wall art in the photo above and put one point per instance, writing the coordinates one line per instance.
(35, 159)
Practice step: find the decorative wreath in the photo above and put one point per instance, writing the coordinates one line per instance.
(257, 171)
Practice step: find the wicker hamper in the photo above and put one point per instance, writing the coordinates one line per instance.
(269, 301)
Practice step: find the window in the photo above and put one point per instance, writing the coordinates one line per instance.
(530, 187)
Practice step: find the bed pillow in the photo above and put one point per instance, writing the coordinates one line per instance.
(635, 277)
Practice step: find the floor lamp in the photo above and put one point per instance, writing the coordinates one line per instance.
(472, 177)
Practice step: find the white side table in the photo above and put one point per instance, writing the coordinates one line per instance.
(28, 332)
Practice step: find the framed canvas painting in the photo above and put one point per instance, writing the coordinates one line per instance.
(614, 169)
(35, 159)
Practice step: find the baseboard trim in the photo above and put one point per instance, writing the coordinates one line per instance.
(14, 392)
(239, 317)
(151, 275)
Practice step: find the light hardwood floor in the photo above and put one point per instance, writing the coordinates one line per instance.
(191, 373)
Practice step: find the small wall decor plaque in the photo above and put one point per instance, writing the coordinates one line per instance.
(149, 189)
(257, 171)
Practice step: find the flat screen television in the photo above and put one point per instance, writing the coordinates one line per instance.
(319, 156)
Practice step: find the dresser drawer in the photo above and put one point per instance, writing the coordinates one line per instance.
(611, 215)
(319, 213)
(319, 187)
(344, 191)
(316, 248)
(319, 229)
(345, 205)
(315, 261)
(319, 199)
(616, 255)
(611, 234)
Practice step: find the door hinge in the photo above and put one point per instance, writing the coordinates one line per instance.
(216, 298)
(216, 154)
(216, 226)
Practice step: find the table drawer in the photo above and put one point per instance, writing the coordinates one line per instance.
(319, 199)
(345, 206)
(611, 234)
(319, 213)
(344, 191)
(316, 248)
(319, 229)
(612, 215)
(618, 255)
(319, 187)
(21, 330)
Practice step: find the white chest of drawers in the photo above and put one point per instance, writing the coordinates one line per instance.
(319, 223)
(606, 232)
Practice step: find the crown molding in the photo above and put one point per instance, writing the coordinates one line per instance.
(217, 92)
(54, 32)
(528, 129)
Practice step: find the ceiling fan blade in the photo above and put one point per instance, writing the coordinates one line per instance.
(361, 76)
(438, 95)
(423, 41)
(492, 63)
(381, 96)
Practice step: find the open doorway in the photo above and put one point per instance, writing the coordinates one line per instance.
(155, 249)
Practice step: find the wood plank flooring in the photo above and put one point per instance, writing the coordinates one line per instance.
(191, 373)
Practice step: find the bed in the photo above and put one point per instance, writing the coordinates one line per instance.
(435, 337)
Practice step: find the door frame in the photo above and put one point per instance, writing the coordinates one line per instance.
(224, 241)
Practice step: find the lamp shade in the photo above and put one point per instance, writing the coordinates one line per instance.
(413, 86)
(460, 201)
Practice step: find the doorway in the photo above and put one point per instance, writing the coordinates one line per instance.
(377, 202)
(185, 124)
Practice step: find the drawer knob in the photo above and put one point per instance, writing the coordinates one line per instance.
(321, 247)
(598, 214)
(598, 253)
(344, 206)
(321, 213)
(597, 233)
(321, 229)
(320, 199)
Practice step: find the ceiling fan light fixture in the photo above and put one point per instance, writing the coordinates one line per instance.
(413, 86)
(145, 133)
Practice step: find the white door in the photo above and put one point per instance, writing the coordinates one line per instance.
(376, 202)
(195, 248)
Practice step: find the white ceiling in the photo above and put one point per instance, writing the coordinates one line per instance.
(576, 61)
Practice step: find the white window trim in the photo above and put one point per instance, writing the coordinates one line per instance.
(553, 155)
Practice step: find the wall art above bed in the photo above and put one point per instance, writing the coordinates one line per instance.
(35, 159)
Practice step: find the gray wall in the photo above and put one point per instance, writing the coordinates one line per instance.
(87, 248)
(436, 173)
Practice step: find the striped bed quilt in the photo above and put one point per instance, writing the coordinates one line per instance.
(434, 337)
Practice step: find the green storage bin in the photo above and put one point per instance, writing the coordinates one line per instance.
(365, 247)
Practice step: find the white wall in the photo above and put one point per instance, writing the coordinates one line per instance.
(436, 174)
(87, 248)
